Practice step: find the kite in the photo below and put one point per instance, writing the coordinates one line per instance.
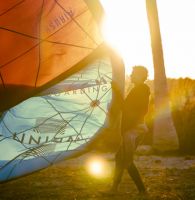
(55, 83)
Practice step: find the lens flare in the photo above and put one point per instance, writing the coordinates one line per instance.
(98, 167)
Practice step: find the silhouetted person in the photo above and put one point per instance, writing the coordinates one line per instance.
(133, 128)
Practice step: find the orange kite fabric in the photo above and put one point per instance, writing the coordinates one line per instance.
(39, 41)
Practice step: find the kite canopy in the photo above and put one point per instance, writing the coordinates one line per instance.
(55, 81)
(40, 40)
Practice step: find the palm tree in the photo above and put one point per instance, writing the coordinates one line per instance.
(165, 136)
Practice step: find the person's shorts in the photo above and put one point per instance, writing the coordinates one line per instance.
(131, 139)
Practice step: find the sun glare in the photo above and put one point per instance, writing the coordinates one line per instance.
(126, 28)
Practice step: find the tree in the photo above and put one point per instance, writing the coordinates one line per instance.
(164, 134)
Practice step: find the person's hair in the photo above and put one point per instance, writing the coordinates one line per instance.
(142, 71)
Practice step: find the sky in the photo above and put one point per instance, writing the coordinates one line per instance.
(126, 28)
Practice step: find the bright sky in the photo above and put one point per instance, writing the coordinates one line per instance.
(126, 28)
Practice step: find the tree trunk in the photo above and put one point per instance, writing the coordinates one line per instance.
(164, 134)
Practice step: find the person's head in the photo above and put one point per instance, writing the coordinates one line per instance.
(139, 74)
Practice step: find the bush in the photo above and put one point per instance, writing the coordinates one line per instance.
(182, 98)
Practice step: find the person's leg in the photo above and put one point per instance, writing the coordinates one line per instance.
(119, 169)
(133, 138)
(134, 173)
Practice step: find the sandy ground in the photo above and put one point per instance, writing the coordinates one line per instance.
(166, 177)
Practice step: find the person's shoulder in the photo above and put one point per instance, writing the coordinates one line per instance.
(141, 89)
(145, 88)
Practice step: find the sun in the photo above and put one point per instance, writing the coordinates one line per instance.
(125, 28)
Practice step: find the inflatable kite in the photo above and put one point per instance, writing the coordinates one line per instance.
(55, 83)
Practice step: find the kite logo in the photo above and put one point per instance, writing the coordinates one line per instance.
(87, 90)
(60, 20)
(25, 139)
(101, 81)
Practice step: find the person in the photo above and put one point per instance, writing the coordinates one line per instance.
(134, 108)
